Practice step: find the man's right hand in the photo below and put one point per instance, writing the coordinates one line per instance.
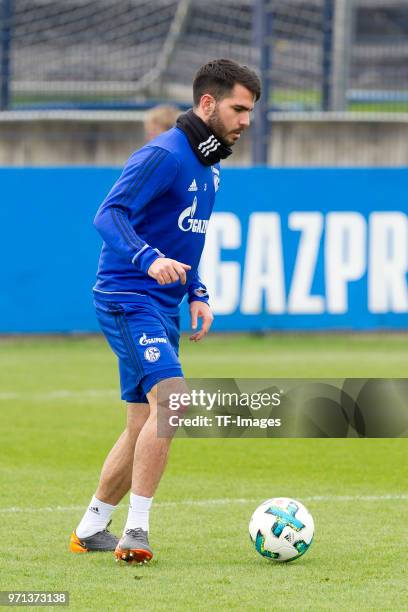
(167, 271)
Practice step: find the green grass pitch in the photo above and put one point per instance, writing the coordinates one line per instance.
(60, 413)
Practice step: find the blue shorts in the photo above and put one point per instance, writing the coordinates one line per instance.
(146, 343)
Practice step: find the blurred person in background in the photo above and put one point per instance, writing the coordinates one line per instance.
(159, 119)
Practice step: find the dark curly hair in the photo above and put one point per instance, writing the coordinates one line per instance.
(218, 78)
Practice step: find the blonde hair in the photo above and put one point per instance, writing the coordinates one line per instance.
(160, 119)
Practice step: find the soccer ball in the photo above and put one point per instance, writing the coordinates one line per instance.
(281, 529)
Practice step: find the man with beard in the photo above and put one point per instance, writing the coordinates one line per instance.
(153, 224)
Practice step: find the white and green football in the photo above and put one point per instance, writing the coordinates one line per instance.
(281, 529)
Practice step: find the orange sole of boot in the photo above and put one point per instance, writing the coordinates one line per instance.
(75, 545)
(134, 555)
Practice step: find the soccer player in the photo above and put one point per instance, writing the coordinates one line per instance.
(153, 224)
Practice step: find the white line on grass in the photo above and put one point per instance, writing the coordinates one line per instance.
(57, 394)
(218, 502)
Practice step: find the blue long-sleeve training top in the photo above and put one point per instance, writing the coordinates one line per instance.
(160, 205)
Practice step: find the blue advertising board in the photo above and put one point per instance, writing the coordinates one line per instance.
(288, 249)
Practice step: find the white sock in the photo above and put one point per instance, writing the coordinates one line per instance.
(139, 509)
(95, 518)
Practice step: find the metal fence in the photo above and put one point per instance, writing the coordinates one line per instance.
(314, 54)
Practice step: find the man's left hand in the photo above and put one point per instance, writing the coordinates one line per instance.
(203, 311)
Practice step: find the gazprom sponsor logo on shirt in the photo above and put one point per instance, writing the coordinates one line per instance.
(187, 222)
(144, 340)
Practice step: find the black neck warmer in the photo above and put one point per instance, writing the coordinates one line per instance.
(208, 148)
